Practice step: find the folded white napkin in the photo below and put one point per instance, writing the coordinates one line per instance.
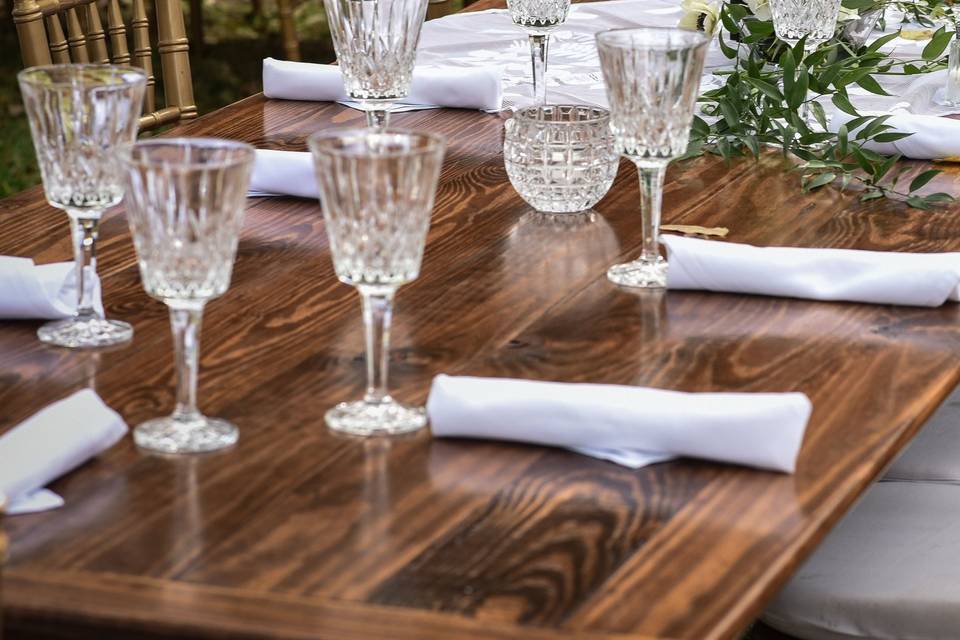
(632, 426)
(878, 277)
(52, 442)
(431, 87)
(283, 173)
(47, 291)
(934, 137)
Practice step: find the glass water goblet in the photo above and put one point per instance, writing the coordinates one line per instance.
(185, 204)
(376, 45)
(377, 190)
(80, 115)
(652, 77)
(539, 18)
(815, 20)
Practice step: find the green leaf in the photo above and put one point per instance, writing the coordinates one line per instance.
(937, 44)
(918, 203)
(797, 94)
(872, 194)
(766, 88)
(879, 42)
(859, 4)
(817, 109)
(728, 51)
(923, 179)
(729, 23)
(890, 137)
(871, 85)
(730, 114)
(700, 127)
(842, 102)
(821, 180)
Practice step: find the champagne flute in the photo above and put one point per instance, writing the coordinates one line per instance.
(377, 189)
(652, 77)
(539, 18)
(185, 204)
(376, 45)
(80, 115)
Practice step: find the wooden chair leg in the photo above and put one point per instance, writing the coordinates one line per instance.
(288, 31)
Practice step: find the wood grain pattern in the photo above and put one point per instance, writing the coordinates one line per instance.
(300, 533)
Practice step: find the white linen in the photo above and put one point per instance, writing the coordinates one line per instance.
(879, 277)
(52, 442)
(283, 173)
(888, 571)
(934, 138)
(934, 455)
(432, 86)
(632, 426)
(46, 292)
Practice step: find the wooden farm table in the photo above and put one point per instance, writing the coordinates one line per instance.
(300, 533)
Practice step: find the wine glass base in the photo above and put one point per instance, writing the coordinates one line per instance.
(87, 333)
(196, 435)
(645, 274)
(381, 419)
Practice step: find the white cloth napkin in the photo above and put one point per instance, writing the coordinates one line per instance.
(53, 442)
(878, 277)
(632, 426)
(46, 291)
(283, 173)
(934, 137)
(431, 87)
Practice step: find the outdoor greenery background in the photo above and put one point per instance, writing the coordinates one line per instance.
(225, 68)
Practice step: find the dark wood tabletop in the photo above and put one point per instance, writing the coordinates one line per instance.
(301, 533)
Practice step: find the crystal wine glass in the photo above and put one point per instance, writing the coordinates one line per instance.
(815, 20)
(185, 204)
(376, 45)
(652, 77)
(539, 18)
(79, 117)
(377, 190)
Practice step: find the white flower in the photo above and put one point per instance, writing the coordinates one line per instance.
(700, 15)
(761, 9)
(846, 15)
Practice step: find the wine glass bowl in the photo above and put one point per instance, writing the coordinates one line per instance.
(80, 117)
(377, 190)
(652, 78)
(185, 203)
(376, 46)
(815, 20)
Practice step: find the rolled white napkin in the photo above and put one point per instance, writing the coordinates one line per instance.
(934, 137)
(878, 277)
(632, 426)
(45, 291)
(431, 87)
(283, 173)
(52, 442)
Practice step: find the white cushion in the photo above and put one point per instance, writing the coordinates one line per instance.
(889, 571)
(934, 455)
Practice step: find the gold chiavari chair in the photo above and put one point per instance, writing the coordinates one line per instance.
(40, 28)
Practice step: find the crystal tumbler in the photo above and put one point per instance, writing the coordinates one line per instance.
(560, 158)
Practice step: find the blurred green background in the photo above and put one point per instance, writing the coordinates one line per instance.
(226, 67)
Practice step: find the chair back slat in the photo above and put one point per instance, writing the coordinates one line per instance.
(58, 41)
(118, 34)
(44, 40)
(28, 18)
(175, 57)
(96, 38)
(75, 38)
(142, 55)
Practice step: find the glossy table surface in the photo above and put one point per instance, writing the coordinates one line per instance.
(300, 533)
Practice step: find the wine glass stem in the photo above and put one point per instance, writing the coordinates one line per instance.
(185, 320)
(652, 176)
(377, 313)
(85, 230)
(378, 118)
(539, 46)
